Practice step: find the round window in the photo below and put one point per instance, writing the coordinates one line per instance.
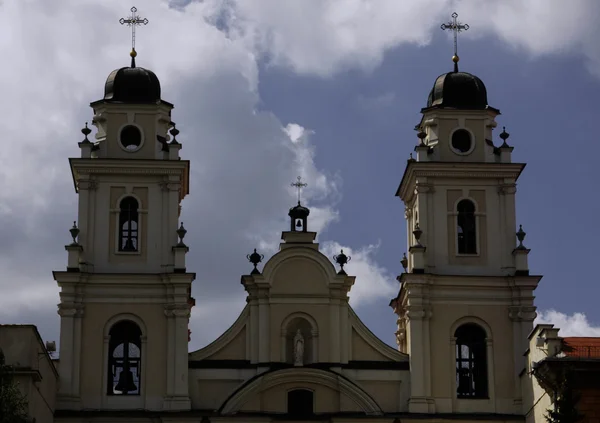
(131, 138)
(461, 141)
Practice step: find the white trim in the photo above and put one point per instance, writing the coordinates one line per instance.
(142, 135)
(454, 150)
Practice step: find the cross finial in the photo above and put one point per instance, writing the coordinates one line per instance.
(299, 185)
(455, 27)
(133, 21)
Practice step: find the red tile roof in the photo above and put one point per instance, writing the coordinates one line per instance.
(582, 347)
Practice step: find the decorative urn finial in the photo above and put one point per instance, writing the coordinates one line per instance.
(504, 136)
(521, 236)
(174, 132)
(255, 258)
(341, 259)
(422, 135)
(86, 131)
(74, 233)
(404, 262)
(417, 232)
(181, 233)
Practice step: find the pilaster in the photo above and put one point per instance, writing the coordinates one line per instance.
(70, 355)
(418, 317)
(177, 395)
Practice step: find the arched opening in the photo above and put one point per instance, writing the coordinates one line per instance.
(300, 402)
(471, 361)
(466, 227)
(124, 359)
(128, 225)
(299, 342)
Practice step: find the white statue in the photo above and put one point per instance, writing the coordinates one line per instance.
(298, 349)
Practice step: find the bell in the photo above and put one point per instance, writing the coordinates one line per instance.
(298, 223)
(126, 382)
(129, 245)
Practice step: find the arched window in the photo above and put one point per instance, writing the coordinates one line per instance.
(124, 359)
(128, 224)
(300, 402)
(466, 229)
(471, 362)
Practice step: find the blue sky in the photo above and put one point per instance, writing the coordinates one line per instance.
(327, 90)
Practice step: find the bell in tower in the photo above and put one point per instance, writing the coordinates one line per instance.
(299, 214)
(126, 383)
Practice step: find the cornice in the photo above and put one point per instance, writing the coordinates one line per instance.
(157, 167)
(449, 170)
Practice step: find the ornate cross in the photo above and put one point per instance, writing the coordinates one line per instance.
(299, 185)
(455, 27)
(133, 21)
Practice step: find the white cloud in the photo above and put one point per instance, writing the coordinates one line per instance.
(576, 324)
(324, 37)
(372, 281)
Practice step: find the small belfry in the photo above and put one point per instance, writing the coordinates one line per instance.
(126, 292)
(459, 286)
(299, 214)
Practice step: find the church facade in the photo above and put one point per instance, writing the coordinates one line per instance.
(297, 350)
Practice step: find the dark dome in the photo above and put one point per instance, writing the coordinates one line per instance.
(132, 85)
(299, 212)
(458, 90)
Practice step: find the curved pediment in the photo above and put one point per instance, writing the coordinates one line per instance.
(311, 255)
(230, 345)
(351, 396)
(370, 344)
(302, 270)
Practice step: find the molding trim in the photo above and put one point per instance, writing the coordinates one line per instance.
(303, 376)
(223, 340)
(372, 340)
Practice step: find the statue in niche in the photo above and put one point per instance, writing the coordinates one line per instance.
(298, 349)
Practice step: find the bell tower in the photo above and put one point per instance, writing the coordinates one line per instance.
(465, 305)
(125, 293)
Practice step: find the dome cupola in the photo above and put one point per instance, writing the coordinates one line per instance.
(132, 85)
(458, 90)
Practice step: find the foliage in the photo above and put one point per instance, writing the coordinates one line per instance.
(565, 402)
(13, 404)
